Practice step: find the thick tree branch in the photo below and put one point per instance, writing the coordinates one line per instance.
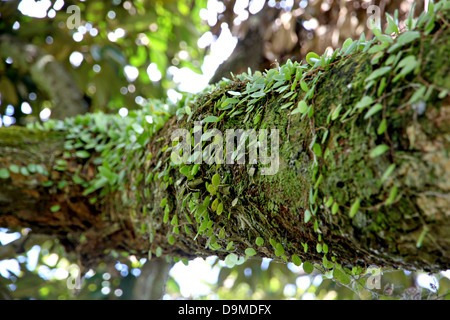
(351, 188)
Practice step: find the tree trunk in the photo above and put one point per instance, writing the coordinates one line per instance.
(102, 183)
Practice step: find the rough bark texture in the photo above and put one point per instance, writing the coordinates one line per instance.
(400, 220)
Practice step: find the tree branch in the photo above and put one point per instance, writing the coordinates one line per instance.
(350, 189)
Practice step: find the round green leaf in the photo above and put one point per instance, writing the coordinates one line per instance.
(296, 260)
(259, 241)
(55, 208)
(308, 267)
(250, 252)
(4, 173)
(210, 119)
(14, 168)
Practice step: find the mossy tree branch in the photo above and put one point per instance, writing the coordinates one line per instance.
(363, 172)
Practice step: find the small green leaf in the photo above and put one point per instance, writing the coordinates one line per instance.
(206, 201)
(230, 260)
(14, 168)
(188, 110)
(392, 27)
(272, 242)
(378, 73)
(335, 208)
(392, 195)
(443, 94)
(216, 180)
(279, 250)
(347, 43)
(379, 150)
(61, 163)
(364, 102)
(229, 101)
(317, 150)
(301, 107)
(341, 276)
(325, 248)
(166, 214)
(354, 208)
(286, 105)
(55, 208)
(4, 173)
(388, 172)
(259, 241)
(195, 169)
(250, 252)
(374, 109)
(296, 260)
(108, 174)
(185, 170)
(82, 154)
(319, 248)
(329, 202)
(336, 112)
(418, 94)
(307, 216)
(304, 86)
(31, 168)
(219, 208)
(214, 204)
(211, 189)
(258, 94)
(407, 37)
(421, 237)
(163, 202)
(62, 184)
(210, 119)
(382, 127)
(312, 58)
(310, 111)
(308, 267)
(305, 247)
(137, 128)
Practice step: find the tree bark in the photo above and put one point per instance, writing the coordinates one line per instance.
(335, 202)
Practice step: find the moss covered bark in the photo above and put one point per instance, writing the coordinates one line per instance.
(363, 171)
